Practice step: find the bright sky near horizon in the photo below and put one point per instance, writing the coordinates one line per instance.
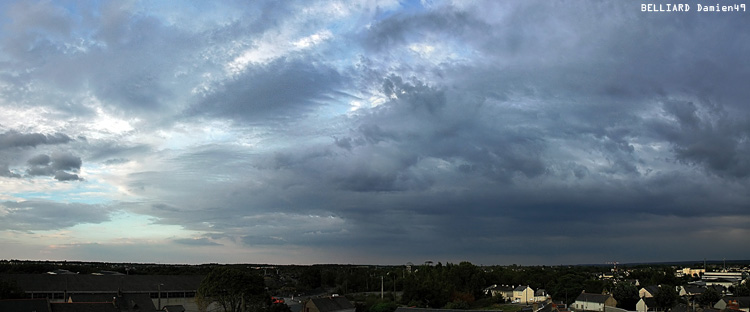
(374, 132)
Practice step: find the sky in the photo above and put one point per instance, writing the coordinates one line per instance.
(373, 132)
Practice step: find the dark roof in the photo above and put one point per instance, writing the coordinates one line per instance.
(540, 292)
(690, 289)
(500, 288)
(548, 308)
(520, 288)
(24, 305)
(80, 298)
(652, 289)
(123, 302)
(598, 298)
(173, 308)
(403, 309)
(649, 301)
(332, 304)
(104, 283)
(84, 307)
(135, 302)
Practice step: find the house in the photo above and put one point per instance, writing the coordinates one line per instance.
(405, 309)
(523, 294)
(724, 279)
(648, 291)
(690, 290)
(553, 307)
(25, 305)
(83, 306)
(44, 305)
(328, 304)
(646, 304)
(503, 291)
(173, 308)
(541, 295)
(123, 302)
(593, 302)
(138, 292)
(733, 304)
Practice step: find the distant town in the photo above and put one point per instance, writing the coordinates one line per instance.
(70, 286)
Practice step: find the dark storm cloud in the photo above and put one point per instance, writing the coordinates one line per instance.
(5, 172)
(284, 88)
(47, 215)
(708, 136)
(551, 137)
(39, 160)
(65, 176)
(56, 166)
(11, 139)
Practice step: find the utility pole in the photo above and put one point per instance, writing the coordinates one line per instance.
(159, 287)
(381, 287)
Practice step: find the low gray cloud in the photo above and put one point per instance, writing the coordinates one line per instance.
(196, 242)
(706, 135)
(38, 215)
(57, 166)
(5, 172)
(284, 88)
(11, 139)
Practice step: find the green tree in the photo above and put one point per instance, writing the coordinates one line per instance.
(384, 307)
(233, 290)
(666, 297)
(709, 297)
(742, 291)
(310, 278)
(626, 295)
(279, 307)
(10, 290)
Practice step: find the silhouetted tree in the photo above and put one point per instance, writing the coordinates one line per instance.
(626, 295)
(10, 290)
(233, 290)
(709, 297)
(666, 297)
(742, 290)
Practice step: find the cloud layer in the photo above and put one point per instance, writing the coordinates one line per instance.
(376, 132)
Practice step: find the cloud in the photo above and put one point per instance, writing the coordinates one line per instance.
(704, 134)
(5, 172)
(196, 242)
(500, 131)
(64, 176)
(57, 166)
(284, 88)
(11, 139)
(38, 215)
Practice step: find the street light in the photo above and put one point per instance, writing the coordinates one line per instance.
(159, 300)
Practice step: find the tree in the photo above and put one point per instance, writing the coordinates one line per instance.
(742, 291)
(310, 278)
(666, 297)
(10, 290)
(233, 290)
(384, 307)
(709, 297)
(626, 295)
